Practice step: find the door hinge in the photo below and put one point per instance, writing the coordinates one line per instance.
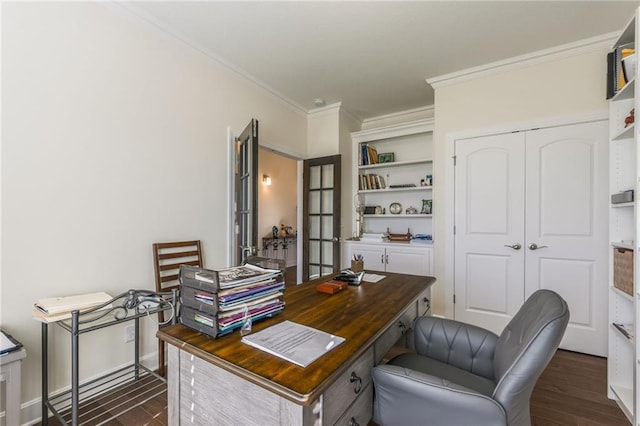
(454, 299)
(454, 230)
(454, 160)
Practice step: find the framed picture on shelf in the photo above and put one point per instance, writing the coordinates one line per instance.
(386, 157)
(426, 207)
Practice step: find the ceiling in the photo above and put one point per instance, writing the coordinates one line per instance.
(374, 56)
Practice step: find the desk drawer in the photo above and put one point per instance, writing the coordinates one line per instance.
(347, 388)
(361, 412)
(394, 333)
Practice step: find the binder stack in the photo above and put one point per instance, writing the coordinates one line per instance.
(216, 302)
(621, 68)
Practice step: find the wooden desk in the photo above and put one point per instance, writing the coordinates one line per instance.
(10, 372)
(225, 381)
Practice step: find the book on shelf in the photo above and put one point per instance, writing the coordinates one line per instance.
(371, 181)
(618, 75)
(368, 155)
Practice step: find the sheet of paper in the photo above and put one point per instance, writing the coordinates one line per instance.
(294, 342)
(372, 278)
(8, 343)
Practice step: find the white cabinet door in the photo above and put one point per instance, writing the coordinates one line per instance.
(373, 256)
(545, 187)
(408, 260)
(398, 258)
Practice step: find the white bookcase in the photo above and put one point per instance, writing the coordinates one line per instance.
(412, 146)
(624, 234)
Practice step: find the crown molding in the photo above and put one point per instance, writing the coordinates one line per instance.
(427, 110)
(325, 110)
(409, 128)
(558, 52)
(146, 19)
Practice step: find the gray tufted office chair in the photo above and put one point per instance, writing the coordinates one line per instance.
(465, 375)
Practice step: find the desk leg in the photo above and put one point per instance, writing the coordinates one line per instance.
(12, 409)
(45, 373)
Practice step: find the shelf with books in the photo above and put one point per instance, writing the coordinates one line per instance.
(392, 216)
(401, 174)
(623, 377)
(395, 164)
(403, 189)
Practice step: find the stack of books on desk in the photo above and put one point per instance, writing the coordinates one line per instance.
(216, 302)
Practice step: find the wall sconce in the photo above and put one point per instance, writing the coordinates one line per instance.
(266, 179)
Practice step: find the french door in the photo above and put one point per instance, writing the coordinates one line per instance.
(321, 216)
(531, 213)
(246, 193)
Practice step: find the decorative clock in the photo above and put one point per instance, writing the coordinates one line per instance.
(395, 208)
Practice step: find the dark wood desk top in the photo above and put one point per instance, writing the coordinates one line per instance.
(360, 314)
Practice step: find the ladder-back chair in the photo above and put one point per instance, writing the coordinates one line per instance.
(167, 258)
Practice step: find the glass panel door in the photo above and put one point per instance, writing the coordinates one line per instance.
(321, 204)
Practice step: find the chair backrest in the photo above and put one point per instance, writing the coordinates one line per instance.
(168, 257)
(524, 349)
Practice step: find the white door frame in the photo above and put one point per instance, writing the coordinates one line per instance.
(449, 181)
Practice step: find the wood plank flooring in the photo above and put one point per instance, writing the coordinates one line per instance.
(572, 390)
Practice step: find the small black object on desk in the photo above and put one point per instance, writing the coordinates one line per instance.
(350, 277)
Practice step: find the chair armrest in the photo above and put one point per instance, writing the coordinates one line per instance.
(455, 343)
(408, 397)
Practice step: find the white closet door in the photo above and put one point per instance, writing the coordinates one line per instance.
(545, 187)
(566, 217)
(489, 207)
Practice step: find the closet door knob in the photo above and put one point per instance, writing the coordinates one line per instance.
(534, 246)
(515, 246)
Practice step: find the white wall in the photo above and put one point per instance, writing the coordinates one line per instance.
(571, 86)
(114, 136)
(277, 203)
(348, 124)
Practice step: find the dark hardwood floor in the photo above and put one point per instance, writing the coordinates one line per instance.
(572, 390)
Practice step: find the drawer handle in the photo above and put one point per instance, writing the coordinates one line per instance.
(357, 381)
(353, 422)
(426, 301)
(403, 328)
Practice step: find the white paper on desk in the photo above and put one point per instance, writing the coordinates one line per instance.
(372, 278)
(294, 342)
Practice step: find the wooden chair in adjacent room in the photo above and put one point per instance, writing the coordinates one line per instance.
(167, 258)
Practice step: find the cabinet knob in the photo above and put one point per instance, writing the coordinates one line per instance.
(353, 422)
(357, 382)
